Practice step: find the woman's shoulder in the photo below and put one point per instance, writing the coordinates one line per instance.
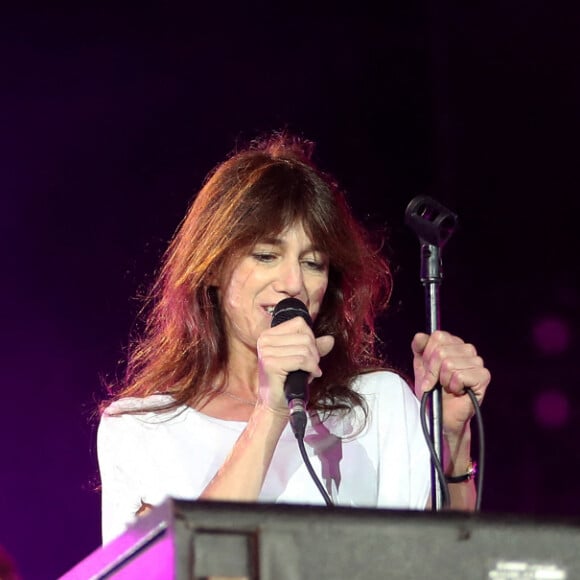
(380, 382)
(385, 388)
(139, 405)
(385, 394)
(144, 411)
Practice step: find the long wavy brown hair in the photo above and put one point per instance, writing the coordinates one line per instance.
(257, 192)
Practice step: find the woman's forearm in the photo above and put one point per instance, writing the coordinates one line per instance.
(457, 462)
(242, 474)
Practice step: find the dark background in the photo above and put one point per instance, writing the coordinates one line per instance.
(110, 118)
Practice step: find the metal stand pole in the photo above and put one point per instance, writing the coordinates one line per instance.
(434, 224)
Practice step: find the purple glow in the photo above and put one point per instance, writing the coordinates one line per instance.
(551, 335)
(552, 408)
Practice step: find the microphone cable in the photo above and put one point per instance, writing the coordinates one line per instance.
(437, 463)
(296, 387)
(311, 471)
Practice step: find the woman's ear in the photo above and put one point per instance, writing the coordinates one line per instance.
(214, 274)
(213, 279)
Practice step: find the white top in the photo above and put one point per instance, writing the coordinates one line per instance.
(150, 456)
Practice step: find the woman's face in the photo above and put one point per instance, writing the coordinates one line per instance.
(278, 267)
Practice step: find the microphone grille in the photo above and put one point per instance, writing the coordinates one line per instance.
(289, 308)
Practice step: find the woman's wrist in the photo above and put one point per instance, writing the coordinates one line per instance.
(458, 460)
(468, 474)
(263, 408)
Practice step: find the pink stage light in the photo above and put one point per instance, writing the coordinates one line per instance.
(551, 335)
(552, 408)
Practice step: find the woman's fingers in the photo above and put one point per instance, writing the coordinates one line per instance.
(446, 359)
(289, 347)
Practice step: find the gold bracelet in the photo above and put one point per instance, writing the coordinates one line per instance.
(467, 476)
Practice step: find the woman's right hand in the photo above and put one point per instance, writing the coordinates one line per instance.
(284, 348)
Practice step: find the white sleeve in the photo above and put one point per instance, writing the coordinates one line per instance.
(119, 459)
(419, 461)
(404, 446)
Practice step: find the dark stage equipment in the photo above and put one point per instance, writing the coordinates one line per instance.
(197, 540)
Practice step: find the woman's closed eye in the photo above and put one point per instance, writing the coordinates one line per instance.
(317, 265)
(265, 257)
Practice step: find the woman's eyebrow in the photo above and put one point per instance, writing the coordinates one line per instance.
(271, 241)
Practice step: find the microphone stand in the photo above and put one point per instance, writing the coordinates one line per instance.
(433, 223)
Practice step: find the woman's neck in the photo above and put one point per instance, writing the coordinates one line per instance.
(241, 375)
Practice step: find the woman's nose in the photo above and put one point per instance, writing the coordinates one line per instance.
(290, 280)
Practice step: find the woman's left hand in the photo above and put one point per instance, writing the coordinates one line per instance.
(448, 360)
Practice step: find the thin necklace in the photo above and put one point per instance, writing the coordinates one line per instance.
(240, 399)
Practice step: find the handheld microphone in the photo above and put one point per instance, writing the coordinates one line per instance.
(296, 384)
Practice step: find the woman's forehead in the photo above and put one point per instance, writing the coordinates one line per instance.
(296, 230)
